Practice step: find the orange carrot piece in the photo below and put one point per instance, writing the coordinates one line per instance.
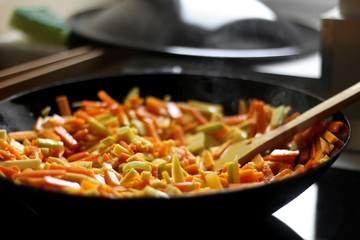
(192, 168)
(8, 171)
(258, 160)
(77, 156)
(49, 134)
(111, 178)
(79, 135)
(40, 173)
(183, 186)
(123, 157)
(123, 118)
(221, 133)
(330, 137)
(20, 136)
(90, 158)
(126, 146)
(261, 119)
(151, 129)
(4, 155)
(92, 104)
(178, 135)
(242, 106)
(334, 127)
(72, 169)
(208, 160)
(282, 155)
(234, 119)
(63, 105)
(7, 147)
(291, 117)
(250, 175)
(217, 153)
(164, 149)
(191, 126)
(155, 105)
(195, 113)
(282, 174)
(74, 123)
(103, 96)
(66, 137)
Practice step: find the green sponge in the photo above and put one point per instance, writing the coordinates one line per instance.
(41, 24)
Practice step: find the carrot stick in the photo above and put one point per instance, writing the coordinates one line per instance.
(217, 153)
(90, 158)
(4, 155)
(242, 107)
(334, 127)
(7, 147)
(282, 174)
(235, 119)
(72, 169)
(155, 105)
(20, 136)
(192, 168)
(49, 134)
(63, 105)
(195, 113)
(329, 137)
(151, 129)
(291, 117)
(77, 156)
(66, 137)
(208, 160)
(8, 171)
(261, 119)
(281, 155)
(250, 175)
(111, 178)
(79, 135)
(126, 146)
(106, 97)
(40, 173)
(189, 127)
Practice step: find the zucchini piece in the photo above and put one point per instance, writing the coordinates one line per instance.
(210, 127)
(196, 142)
(22, 164)
(277, 116)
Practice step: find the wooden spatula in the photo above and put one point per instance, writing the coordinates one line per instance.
(244, 151)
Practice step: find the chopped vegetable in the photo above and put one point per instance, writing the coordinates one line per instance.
(153, 147)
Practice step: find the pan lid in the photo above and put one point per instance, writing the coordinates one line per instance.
(206, 28)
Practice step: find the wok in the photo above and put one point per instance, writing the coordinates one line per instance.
(20, 111)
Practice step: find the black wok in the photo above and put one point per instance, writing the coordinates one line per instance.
(20, 111)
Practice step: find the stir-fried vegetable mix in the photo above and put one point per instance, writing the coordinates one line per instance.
(151, 147)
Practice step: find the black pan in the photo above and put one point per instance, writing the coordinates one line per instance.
(20, 111)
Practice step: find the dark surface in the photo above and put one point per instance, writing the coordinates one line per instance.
(19, 113)
(338, 210)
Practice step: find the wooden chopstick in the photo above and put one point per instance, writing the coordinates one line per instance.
(32, 65)
(25, 72)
